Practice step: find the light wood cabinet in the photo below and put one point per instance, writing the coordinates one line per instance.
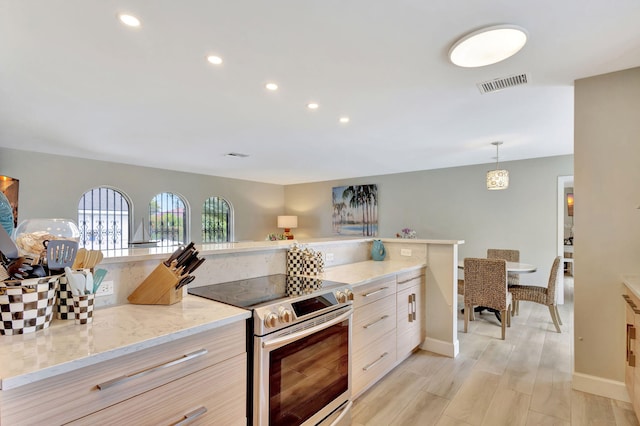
(137, 381)
(207, 397)
(410, 312)
(387, 325)
(632, 370)
(374, 330)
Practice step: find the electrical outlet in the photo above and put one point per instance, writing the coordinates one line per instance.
(105, 289)
(329, 257)
(405, 252)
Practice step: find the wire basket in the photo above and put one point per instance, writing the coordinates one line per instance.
(27, 307)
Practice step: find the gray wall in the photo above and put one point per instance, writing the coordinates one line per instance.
(51, 186)
(607, 222)
(454, 203)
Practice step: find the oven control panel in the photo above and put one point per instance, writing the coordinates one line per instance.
(292, 310)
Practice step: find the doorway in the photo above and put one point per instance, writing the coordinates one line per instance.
(564, 227)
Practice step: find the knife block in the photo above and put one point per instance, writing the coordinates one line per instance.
(159, 288)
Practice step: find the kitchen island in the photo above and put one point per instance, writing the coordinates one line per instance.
(98, 372)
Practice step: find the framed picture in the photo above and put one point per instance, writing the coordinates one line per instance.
(9, 187)
(355, 210)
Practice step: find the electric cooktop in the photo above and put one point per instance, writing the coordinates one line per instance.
(252, 293)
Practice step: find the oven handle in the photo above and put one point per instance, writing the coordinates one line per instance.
(281, 341)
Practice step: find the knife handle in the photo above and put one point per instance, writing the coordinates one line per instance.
(195, 265)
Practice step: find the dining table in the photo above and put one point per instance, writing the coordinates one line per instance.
(512, 267)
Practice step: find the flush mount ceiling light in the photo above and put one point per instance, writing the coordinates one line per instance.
(497, 179)
(312, 105)
(271, 86)
(344, 120)
(129, 20)
(215, 60)
(488, 46)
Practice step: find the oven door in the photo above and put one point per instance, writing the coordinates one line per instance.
(302, 374)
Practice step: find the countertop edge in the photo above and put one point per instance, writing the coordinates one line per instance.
(154, 253)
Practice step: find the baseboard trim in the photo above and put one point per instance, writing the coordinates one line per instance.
(599, 386)
(441, 347)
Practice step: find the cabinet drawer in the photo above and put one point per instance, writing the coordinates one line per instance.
(374, 361)
(76, 394)
(375, 290)
(372, 321)
(215, 395)
(405, 277)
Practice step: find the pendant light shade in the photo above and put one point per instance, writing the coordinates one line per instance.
(497, 179)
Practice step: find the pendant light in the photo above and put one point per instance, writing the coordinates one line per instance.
(497, 179)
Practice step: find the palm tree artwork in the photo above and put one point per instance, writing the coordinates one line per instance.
(355, 210)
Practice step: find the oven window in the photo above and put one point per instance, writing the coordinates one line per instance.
(307, 374)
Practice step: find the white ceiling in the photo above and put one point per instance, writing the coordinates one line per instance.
(74, 81)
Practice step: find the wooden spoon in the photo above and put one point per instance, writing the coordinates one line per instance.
(80, 259)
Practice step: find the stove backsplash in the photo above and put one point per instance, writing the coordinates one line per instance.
(228, 266)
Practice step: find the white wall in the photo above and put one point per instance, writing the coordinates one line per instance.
(607, 223)
(51, 186)
(454, 203)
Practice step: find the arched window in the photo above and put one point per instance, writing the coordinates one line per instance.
(168, 215)
(104, 219)
(217, 221)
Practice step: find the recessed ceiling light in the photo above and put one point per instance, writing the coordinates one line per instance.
(129, 20)
(344, 119)
(271, 86)
(215, 60)
(312, 105)
(488, 46)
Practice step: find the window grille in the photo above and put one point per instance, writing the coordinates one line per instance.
(168, 219)
(217, 221)
(103, 219)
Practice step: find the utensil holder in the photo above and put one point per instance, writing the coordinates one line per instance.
(159, 288)
(28, 307)
(83, 308)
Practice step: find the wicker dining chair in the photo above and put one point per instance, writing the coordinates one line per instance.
(510, 256)
(543, 295)
(485, 284)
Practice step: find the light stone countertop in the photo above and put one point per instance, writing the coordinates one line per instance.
(632, 281)
(137, 254)
(364, 272)
(115, 331)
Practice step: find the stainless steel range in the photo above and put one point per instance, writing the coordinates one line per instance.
(299, 347)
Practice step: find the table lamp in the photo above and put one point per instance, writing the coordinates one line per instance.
(288, 222)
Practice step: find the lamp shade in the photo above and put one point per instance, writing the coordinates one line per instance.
(497, 179)
(570, 204)
(287, 222)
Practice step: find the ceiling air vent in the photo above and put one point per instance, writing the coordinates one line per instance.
(503, 83)
(237, 154)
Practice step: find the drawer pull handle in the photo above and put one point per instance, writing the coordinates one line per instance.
(382, 318)
(632, 359)
(417, 278)
(367, 367)
(191, 416)
(414, 306)
(629, 301)
(375, 292)
(122, 379)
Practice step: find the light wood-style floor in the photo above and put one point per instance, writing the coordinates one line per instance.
(523, 380)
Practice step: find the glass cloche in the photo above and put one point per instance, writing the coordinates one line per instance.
(30, 234)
